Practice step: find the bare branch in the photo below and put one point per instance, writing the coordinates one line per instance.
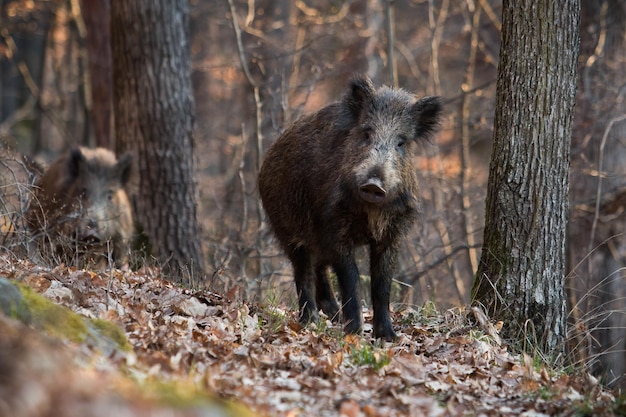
(607, 130)
(255, 90)
(465, 135)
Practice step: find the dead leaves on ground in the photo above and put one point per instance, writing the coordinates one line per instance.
(261, 357)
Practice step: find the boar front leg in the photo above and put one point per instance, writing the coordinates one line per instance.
(349, 283)
(382, 267)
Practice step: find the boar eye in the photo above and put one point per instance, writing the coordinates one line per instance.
(110, 195)
(401, 141)
(367, 136)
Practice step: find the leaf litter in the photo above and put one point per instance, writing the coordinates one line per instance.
(259, 356)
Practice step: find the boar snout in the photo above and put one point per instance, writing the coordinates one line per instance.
(91, 227)
(89, 231)
(372, 191)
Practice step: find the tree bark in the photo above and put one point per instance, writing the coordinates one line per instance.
(521, 274)
(97, 17)
(154, 111)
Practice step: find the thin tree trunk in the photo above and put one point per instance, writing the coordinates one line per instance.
(521, 274)
(466, 170)
(97, 17)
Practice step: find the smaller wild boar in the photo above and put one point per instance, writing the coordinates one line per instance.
(80, 208)
(341, 178)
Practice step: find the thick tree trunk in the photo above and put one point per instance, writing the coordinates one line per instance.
(154, 112)
(520, 278)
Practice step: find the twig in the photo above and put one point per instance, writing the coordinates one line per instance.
(449, 254)
(242, 180)
(391, 40)
(20, 114)
(465, 135)
(437, 29)
(484, 4)
(21, 65)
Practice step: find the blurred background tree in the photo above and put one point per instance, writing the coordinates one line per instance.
(292, 57)
(96, 15)
(154, 114)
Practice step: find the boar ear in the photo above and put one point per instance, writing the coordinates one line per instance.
(124, 166)
(427, 113)
(74, 162)
(361, 92)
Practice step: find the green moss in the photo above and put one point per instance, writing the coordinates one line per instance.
(113, 332)
(62, 322)
(187, 395)
(366, 355)
(52, 318)
(495, 263)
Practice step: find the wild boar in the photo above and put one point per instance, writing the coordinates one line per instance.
(341, 178)
(80, 208)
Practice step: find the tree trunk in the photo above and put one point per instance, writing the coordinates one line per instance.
(97, 17)
(154, 112)
(521, 274)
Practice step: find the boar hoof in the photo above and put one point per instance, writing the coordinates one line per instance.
(330, 308)
(386, 333)
(309, 316)
(372, 191)
(353, 327)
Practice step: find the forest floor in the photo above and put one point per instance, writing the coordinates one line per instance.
(196, 353)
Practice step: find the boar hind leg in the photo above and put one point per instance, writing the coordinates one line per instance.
(382, 266)
(349, 283)
(305, 283)
(324, 294)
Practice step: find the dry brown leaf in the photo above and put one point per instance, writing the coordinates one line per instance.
(191, 307)
(203, 338)
(486, 325)
(38, 282)
(350, 408)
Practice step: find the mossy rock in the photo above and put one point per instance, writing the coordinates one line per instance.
(62, 322)
(52, 318)
(185, 394)
(112, 332)
(12, 303)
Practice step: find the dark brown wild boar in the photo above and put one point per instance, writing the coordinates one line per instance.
(80, 208)
(341, 178)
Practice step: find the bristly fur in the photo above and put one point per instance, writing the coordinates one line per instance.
(344, 177)
(80, 204)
